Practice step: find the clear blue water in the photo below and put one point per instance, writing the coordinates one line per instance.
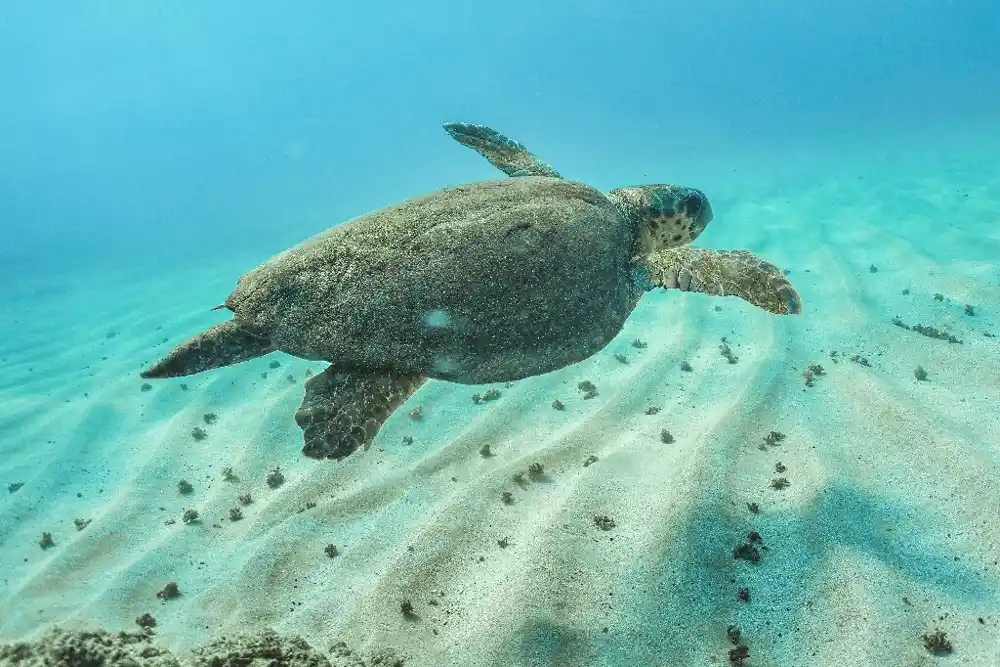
(153, 132)
(152, 152)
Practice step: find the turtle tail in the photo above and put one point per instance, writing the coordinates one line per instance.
(224, 344)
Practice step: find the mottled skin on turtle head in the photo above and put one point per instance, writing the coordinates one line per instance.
(663, 216)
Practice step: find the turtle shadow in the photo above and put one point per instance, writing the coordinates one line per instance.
(684, 600)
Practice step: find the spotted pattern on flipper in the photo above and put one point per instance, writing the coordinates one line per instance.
(722, 273)
(224, 344)
(344, 410)
(507, 155)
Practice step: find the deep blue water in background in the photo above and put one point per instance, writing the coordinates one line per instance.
(161, 134)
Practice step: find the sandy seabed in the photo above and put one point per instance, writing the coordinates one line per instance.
(622, 551)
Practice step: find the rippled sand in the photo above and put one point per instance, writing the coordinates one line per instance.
(887, 530)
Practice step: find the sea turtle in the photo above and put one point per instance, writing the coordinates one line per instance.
(490, 281)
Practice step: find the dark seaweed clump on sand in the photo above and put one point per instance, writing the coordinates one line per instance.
(930, 332)
(137, 649)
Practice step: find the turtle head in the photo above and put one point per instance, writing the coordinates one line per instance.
(663, 216)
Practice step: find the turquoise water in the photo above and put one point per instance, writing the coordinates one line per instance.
(150, 155)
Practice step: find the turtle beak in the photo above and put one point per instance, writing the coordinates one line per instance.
(696, 208)
(705, 216)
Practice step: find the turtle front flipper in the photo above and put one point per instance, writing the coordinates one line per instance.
(343, 410)
(720, 273)
(504, 153)
(224, 344)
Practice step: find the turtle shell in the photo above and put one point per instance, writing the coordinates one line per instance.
(490, 281)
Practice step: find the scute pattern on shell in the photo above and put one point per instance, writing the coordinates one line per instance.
(484, 282)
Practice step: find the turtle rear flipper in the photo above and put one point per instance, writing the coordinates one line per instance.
(344, 410)
(720, 273)
(224, 344)
(504, 153)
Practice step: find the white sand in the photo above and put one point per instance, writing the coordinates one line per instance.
(889, 528)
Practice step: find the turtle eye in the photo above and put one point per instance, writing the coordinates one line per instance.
(695, 206)
(692, 203)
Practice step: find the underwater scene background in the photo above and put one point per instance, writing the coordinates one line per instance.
(717, 486)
